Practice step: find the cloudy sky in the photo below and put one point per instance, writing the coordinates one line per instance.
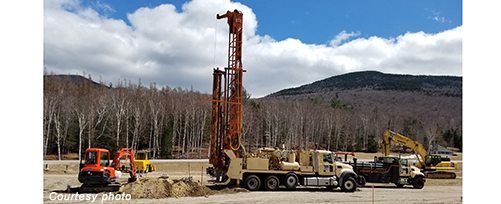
(177, 43)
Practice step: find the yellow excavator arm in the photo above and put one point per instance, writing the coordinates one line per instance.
(390, 136)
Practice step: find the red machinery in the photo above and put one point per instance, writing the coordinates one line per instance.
(226, 126)
(98, 174)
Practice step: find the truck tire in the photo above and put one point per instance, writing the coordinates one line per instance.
(252, 183)
(271, 183)
(291, 180)
(418, 182)
(361, 181)
(399, 185)
(349, 184)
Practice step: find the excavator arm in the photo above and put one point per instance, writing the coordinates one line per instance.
(125, 152)
(390, 136)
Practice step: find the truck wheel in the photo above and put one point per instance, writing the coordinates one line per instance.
(349, 185)
(271, 183)
(291, 180)
(418, 182)
(361, 181)
(252, 183)
(399, 185)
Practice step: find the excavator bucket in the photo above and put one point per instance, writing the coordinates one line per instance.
(132, 179)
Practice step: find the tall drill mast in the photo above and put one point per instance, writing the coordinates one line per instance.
(226, 124)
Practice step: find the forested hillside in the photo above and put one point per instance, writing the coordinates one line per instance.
(347, 112)
(351, 111)
(373, 80)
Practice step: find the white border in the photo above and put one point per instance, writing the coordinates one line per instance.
(481, 102)
(21, 45)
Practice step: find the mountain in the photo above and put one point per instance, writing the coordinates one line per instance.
(373, 80)
(72, 79)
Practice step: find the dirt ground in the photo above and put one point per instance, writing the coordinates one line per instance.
(435, 191)
(58, 177)
(382, 194)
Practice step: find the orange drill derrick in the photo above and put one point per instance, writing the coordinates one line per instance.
(226, 125)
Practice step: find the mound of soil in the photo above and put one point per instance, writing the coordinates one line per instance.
(162, 188)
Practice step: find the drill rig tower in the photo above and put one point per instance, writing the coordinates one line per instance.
(226, 124)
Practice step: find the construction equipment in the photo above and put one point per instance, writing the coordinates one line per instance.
(142, 163)
(227, 94)
(268, 167)
(98, 174)
(434, 166)
(385, 170)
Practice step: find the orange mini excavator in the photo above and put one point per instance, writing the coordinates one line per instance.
(97, 174)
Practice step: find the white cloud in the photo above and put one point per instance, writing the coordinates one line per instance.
(177, 48)
(342, 37)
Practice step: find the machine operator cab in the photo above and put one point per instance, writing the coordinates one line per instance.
(96, 157)
(96, 169)
(328, 164)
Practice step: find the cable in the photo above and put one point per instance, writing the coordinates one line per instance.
(215, 41)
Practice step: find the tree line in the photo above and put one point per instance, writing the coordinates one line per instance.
(175, 122)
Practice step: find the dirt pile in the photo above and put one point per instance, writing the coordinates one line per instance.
(188, 187)
(147, 188)
(162, 188)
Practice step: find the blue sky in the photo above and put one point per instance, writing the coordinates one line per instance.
(319, 21)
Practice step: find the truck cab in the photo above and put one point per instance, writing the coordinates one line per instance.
(328, 166)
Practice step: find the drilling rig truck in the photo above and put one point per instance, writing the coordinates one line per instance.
(268, 168)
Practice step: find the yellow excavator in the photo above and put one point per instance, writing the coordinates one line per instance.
(434, 166)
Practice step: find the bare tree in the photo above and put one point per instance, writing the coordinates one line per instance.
(82, 124)
(49, 110)
(119, 104)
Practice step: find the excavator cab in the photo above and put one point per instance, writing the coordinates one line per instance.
(96, 168)
(433, 160)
